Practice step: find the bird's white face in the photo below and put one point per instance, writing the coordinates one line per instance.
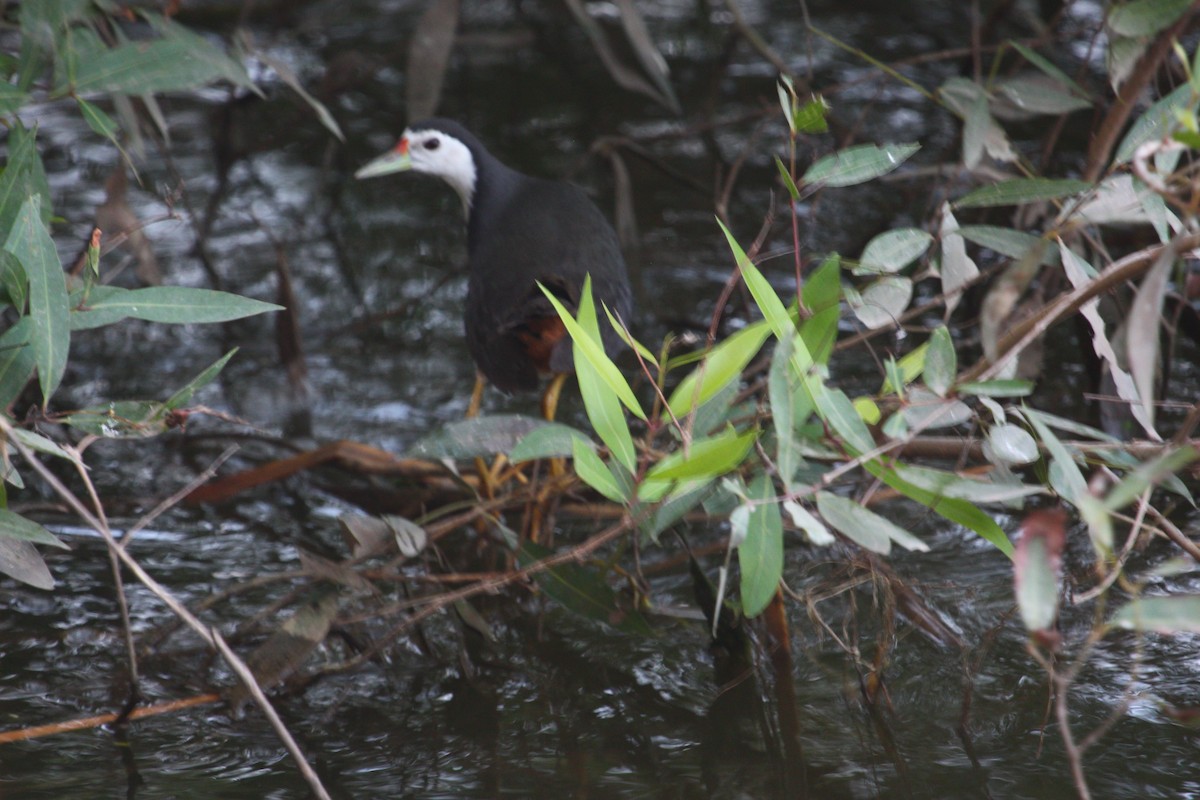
(433, 153)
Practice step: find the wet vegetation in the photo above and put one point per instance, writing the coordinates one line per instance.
(971, 350)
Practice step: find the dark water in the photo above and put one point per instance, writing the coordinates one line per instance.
(561, 707)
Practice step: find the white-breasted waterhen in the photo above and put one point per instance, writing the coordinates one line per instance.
(521, 230)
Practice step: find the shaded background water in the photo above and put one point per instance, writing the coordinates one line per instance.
(563, 706)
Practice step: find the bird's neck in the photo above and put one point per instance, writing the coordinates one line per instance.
(495, 184)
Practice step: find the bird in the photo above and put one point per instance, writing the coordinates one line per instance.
(521, 230)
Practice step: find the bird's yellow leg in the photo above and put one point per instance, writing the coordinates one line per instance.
(487, 478)
(549, 409)
(476, 395)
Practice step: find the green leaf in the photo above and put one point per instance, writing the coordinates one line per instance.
(707, 458)
(941, 362)
(548, 441)
(17, 364)
(582, 590)
(1046, 66)
(23, 177)
(912, 365)
(176, 305)
(1155, 122)
(478, 436)
(810, 116)
(40, 444)
(1001, 387)
(963, 512)
(786, 177)
(760, 555)
(589, 347)
(836, 409)
(1022, 190)
(11, 98)
(723, 364)
(822, 295)
(592, 471)
(14, 526)
(947, 484)
(98, 121)
(20, 560)
(1010, 444)
(1147, 475)
(1146, 17)
(882, 301)
(180, 61)
(790, 407)
(50, 336)
(633, 343)
(1177, 614)
(1072, 486)
(600, 393)
(1037, 94)
(859, 164)
(772, 308)
(184, 395)
(893, 250)
(680, 502)
(1008, 242)
(123, 419)
(861, 524)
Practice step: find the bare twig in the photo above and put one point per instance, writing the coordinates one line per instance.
(256, 692)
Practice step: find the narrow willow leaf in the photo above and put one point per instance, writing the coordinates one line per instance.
(592, 471)
(822, 295)
(785, 393)
(1037, 94)
(20, 560)
(591, 350)
(50, 337)
(724, 364)
(813, 528)
(760, 556)
(604, 411)
(706, 458)
(1155, 122)
(1178, 614)
(843, 516)
(1008, 242)
(911, 364)
(548, 441)
(1022, 190)
(894, 250)
(23, 177)
(176, 305)
(964, 513)
(210, 373)
(1148, 475)
(772, 308)
(836, 409)
(14, 526)
(98, 121)
(1072, 486)
(859, 164)
(1140, 18)
(180, 61)
(17, 364)
(1142, 330)
(625, 337)
(1006, 387)
(1047, 67)
(477, 436)
(941, 362)
(947, 484)
(786, 177)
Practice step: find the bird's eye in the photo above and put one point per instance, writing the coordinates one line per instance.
(433, 144)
